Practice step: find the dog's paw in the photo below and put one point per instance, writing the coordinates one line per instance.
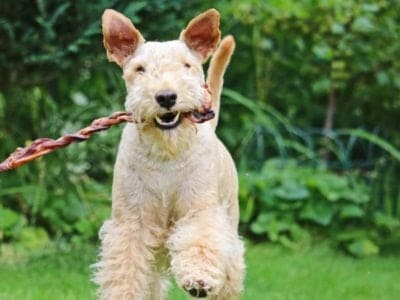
(197, 288)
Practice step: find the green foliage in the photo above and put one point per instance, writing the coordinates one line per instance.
(296, 55)
(298, 182)
(69, 199)
(291, 200)
(10, 223)
(288, 203)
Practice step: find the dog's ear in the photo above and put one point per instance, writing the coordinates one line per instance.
(202, 33)
(120, 37)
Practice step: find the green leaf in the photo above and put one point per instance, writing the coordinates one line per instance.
(268, 197)
(351, 211)
(383, 78)
(363, 25)
(287, 242)
(362, 248)
(386, 222)
(322, 85)
(351, 235)
(32, 239)
(318, 212)
(291, 190)
(323, 51)
(11, 222)
(275, 228)
(337, 28)
(8, 218)
(358, 194)
(26, 190)
(258, 228)
(385, 145)
(246, 209)
(331, 186)
(370, 7)
(260, 225)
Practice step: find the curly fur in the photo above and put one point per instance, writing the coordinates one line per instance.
(174, 200)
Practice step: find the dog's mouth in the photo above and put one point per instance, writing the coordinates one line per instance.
(168, 120)
(171, 120)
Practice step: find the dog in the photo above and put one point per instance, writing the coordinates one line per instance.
(175, 188)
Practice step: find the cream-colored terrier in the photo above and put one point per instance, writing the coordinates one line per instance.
(174, 201)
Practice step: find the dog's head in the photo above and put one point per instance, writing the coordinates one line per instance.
(165, 80)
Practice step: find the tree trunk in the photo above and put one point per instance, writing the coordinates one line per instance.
(330, 112)
(329, 121)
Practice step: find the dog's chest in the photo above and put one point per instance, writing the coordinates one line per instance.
(166, 179)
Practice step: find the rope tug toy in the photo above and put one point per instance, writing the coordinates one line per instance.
(43, 146)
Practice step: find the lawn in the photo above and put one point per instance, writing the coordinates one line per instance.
(273, 273)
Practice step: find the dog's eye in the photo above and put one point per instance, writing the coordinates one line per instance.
(187, 65)
(140, 69)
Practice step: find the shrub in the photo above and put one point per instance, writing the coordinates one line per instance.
(290, 203)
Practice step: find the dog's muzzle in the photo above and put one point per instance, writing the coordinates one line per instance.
(171, 120)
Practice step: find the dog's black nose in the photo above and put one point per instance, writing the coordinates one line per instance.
(166, 98)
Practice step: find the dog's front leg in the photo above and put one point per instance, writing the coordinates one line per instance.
(207, 254)
(123, 271)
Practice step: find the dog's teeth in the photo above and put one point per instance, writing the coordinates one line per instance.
(161, 122)
(176, 118)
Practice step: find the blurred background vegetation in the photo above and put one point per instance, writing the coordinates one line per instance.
(311, 114)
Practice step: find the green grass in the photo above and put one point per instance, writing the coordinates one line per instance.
(273, 273)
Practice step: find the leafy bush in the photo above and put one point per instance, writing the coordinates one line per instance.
(296, 197)
(289, 203)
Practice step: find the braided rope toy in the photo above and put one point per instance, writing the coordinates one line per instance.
(43, 146)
